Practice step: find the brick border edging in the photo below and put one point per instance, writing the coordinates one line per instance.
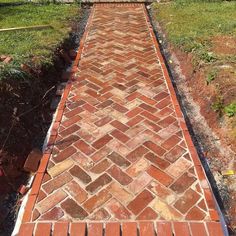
(208, 193)
(150, 228)
(53, 131)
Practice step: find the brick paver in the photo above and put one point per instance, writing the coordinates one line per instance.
(119, 149)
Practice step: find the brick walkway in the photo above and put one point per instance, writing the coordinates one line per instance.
(119, 149)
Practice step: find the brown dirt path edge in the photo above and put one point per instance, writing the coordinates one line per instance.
(163, 178)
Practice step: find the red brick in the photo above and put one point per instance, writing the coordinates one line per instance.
(181, 229)
(118, 159)
(54, 214)
(170, 142)
(119, 175)
(134, 121)
(73, 209)
(64, 154)
(26, 229)
(134, 112)
(95, 229)
(140, 202)
(76, 171)
(155, 148)
(102, 141)
(105, 104)
(195, 214)
(78, 193)
(198, 229)
(118, 210)
(98, 183)
(147, 100)
(71, 121)
(101, 214)
(160, 176)
(188, 200)
(57, 182)
(164, 229)
(97, 200)
(101, 167)
(164, 103)
(147, 214)
(43, 229)
(139, 183)
(119, 125)
(161, 96)
(152, 126)
(78, 229)
(214, 228)
(89, 108)
(63, 143)
(120, 136)
(183, 183)
(129, 229)
(175, 153)
(84, 147)
(102, 153)
(146, 229)
(148, 108)
(52, 200)
(137, 154)
(112, 229)
(32, 161)
(73, 112)
(159, 162)
(167, 121)
(60, 229)
(119, 108)
(35, 215)
(103, 121)
(150, 116)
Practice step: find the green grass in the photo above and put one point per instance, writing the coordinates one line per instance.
(191, 24)
(193, 27)
(33, 47)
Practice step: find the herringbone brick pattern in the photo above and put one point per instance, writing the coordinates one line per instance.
(120, 153)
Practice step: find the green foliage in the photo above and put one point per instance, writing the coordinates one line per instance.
(230, 110)
(211, 76)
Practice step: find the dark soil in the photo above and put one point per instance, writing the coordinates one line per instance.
(25, 118)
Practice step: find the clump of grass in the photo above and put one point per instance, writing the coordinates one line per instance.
(230, 110)
(211, 76)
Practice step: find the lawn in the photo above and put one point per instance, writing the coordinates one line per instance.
(190, 25)
(33, 46)
(207, 30)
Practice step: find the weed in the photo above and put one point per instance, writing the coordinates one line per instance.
(230, 110)
(211, 76)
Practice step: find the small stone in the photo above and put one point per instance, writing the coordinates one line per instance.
(73, 209)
